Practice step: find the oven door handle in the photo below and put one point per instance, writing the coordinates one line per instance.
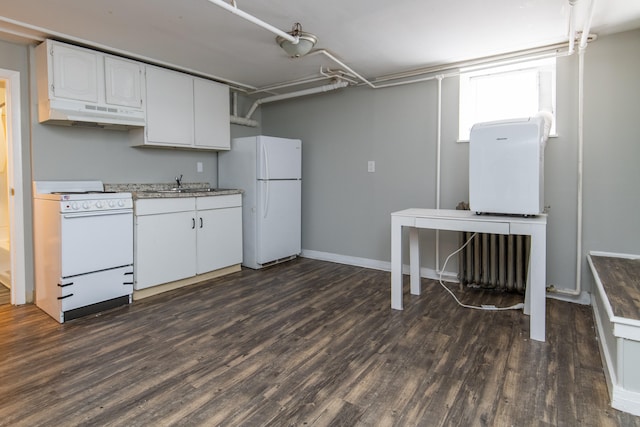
(98, 213)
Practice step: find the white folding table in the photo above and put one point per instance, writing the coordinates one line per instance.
(461, 220)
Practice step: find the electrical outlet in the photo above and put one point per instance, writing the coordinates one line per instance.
(371, 166)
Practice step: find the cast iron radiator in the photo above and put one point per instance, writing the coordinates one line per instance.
(494, 261)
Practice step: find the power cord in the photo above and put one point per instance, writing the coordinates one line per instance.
(485, 307)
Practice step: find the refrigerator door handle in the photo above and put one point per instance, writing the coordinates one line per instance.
(265, 207)
(265, 157)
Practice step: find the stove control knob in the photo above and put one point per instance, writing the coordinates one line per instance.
(85, 205)
(99, 204)
(74, 206)
(111, 203)
(121, 203)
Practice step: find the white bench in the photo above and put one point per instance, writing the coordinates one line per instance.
(616, 307)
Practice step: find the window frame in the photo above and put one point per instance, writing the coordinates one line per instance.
(545, 70)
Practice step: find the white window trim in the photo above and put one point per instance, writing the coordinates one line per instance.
(546, 69)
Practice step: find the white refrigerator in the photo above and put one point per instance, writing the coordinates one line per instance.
(269, 171)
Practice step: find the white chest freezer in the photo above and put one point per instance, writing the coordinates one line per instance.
(506, 166)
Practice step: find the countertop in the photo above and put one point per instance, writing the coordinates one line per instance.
(163, 191)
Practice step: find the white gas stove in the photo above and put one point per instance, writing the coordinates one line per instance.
(83, 241)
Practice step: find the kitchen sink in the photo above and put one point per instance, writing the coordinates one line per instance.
(187, 190)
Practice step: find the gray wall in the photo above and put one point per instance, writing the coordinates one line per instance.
(612, 144)
(346, 210)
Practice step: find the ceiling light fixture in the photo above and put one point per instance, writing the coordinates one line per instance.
(305, 42)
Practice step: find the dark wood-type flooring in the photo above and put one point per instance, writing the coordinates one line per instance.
(303, 343)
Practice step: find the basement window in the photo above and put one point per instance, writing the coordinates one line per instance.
(507, 92)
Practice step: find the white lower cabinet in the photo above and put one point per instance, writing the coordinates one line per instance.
(178, 238)
(219, 239)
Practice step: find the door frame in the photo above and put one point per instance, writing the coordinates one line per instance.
(16, 187)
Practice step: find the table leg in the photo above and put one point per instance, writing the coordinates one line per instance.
(536, 286)
(414, 261)
(396, 264)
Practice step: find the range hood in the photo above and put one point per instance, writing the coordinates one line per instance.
(83, 87)
(78, 113)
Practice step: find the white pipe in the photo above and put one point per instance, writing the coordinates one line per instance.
(234, 9)
(342, 64)
(244, 121)
(486, 62)
(583, 45)
(438, 157)
(283, 85)
(235, 103)
(587, 26)
(572, 26)
(578, 289)
(305, 92)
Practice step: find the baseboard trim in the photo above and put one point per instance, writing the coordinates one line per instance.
(165, 287)
(427, 273)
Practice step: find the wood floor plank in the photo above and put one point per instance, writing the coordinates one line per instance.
(303, 343)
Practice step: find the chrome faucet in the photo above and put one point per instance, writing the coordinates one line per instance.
(179, 181)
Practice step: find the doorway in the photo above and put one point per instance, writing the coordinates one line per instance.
(5, 243)
(12, 257)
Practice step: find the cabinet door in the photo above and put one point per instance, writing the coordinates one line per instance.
(165, 248)
(211, 121)
(169, 107)
(219, 238)
(75, 73)
(123, 80)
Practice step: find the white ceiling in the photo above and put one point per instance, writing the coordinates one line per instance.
(373, 37)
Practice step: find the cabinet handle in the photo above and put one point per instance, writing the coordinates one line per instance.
(201, 223)
(66, 296)
(193, 223)
(127, 283)
(66, 284)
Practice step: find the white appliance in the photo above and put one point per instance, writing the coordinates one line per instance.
(269, 171)
(506, 166)
(83, 87)
(83, 244)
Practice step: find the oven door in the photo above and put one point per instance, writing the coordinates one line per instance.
(94, 241)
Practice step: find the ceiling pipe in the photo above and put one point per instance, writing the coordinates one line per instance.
(587, 26)
(329, 55)
(244, 15)
(283, 85)
(572, 26)
(305, 92)
(243, 121)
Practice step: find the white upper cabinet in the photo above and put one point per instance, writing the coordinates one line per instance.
(75, 73)
(123, 82)
(169, 108)
(211, 120)
(76, 84)
(184, 112)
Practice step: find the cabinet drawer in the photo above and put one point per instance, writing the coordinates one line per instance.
(162, 206)
(219, 202)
